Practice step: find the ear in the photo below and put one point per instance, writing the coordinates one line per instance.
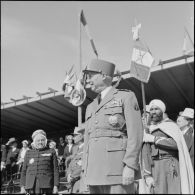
(103, 77)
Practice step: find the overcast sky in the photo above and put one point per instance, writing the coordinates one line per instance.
(40, 40)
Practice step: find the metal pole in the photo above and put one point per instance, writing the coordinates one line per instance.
(143, 99)
(189, 36)
(80, 68)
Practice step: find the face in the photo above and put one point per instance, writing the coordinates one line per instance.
(61, 140)
(156, 114)
(181, 121)
(40, 141)
(95, 81)
(24, 144)
(51, 145)
(70, 140)
(78, 138)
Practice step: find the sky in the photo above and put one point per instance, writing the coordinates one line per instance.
(40, 39)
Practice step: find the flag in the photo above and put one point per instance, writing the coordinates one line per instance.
(84, 23)
(141, 62)
(135, 31)
(78, 95)
(187, 39)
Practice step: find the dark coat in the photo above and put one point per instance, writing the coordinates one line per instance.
(4, 154)
(66, 151)
(41, 164)
(61, 149)
(12, 156)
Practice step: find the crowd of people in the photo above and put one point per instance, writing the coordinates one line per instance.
(39, 169)
(116, 150)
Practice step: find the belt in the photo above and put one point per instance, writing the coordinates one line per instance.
(106, 133)
(164, 156)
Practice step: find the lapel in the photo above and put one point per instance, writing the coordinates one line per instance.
(107, 98)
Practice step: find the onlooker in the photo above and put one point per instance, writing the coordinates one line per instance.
(68, 150)
(184, 121)
(40, 172)
(75, 166)
(22, 152)
(12, 156)
(171, 170)
(52, 145)
(61, 146)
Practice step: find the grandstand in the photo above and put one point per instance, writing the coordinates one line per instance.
(171, 80)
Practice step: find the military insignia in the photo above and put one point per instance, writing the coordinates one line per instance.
(32, 160)
(136, 107)
(113, 120)
(114, 103)
(46, 154)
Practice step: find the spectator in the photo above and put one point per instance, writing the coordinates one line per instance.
(3, 160)
(52, 145)
(171, 170)
(68, 150)
(12, 156)
(75, 166)
(184, 121)
(61, 146)
(40, 172)
(22, 152)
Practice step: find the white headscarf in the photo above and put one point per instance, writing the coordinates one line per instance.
(158, 103)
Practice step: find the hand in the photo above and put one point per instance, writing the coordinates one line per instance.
(55, 190)
(149, 181)
(148, 137)
(128, 175)
(69, 178)
(22, 190)
(2, 165)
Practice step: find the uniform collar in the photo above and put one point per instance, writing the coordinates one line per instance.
(105, 91)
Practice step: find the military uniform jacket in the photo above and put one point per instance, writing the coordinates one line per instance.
(41, 164)
(113, 137)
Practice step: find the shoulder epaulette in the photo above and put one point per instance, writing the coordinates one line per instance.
(127, 90)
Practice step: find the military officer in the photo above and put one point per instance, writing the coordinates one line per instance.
(113, 134)
(40, 172)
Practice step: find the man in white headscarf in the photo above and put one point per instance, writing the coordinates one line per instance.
(170, 171)
(40, 172)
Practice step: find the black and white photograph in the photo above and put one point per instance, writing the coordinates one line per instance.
(97, 97)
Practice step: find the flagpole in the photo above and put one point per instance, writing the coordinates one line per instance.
(80, 68)
(189, 36)
(143, 99)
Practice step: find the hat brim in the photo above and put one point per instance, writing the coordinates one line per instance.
(93, 71)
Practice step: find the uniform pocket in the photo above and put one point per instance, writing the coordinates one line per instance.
(114, 116)
(116, 149)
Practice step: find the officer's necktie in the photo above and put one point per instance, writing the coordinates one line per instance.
(99, 98)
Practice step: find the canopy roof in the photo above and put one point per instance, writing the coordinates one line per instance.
(171, 81)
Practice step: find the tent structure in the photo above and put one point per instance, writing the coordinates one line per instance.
(171, 81)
